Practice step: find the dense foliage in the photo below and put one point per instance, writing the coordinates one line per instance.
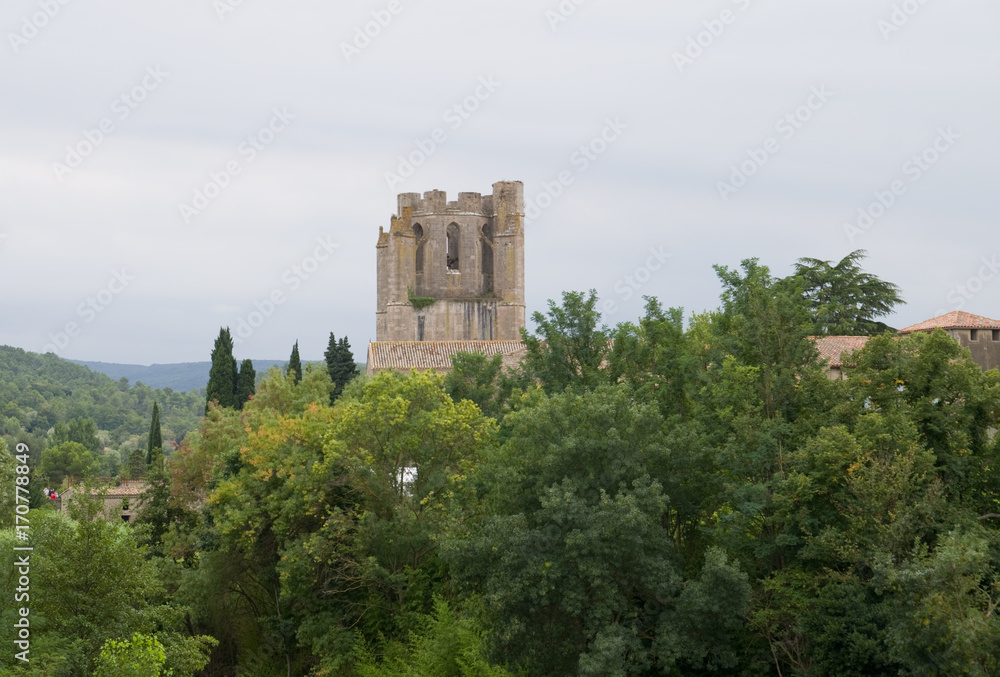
(38, 393)
(340, 364)
(652, 499)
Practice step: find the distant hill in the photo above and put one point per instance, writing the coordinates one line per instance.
(183, 376)
(38, 391)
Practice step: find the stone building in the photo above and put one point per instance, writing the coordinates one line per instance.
(121, 501)
(450, 279)
(834, 349)
(453, 271)
(981, 335)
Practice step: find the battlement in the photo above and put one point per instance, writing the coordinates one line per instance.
(463, 260)
(436, 201)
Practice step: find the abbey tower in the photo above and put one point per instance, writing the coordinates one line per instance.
(453, 271)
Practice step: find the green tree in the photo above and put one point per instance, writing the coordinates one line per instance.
(569, 347)
(8, 475)
(99, 586)
(158, 507)
(154, 446)
(482, 380)
(246, 383)
(657, 359)
(109, 464)
(955, 407)
(135, 465)
(281, 394)
(448, 644)
(236, 593)
(845, 300)
(69, 459)
(764, 327)
(223, 374)
(340, 364)
(945, 620)
(295, 364)
(328, 520)
(81, 430)
(577, 572)
(139, 656)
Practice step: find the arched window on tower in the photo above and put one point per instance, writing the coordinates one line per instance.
(452, 251)
(487, 263)
(418, 232)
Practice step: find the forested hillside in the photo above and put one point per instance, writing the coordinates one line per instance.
(39, 391)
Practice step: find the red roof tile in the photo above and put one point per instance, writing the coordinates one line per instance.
(831, 348)
(957, 319)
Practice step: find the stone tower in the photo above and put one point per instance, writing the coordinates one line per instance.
(453, 271)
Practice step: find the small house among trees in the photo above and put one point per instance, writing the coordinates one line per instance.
(120, 502)
(981, 335)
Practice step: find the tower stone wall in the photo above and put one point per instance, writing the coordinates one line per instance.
(453, 271)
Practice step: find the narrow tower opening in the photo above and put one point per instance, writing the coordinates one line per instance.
(487, 264)
(418, 232)
(452, 250)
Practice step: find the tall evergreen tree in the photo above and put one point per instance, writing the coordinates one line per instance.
(155, 443)
(295, 364)
(843, 298)
(246, 383)
(340, 364)
(222, 376)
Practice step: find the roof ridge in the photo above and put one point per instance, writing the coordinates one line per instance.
(956, 319)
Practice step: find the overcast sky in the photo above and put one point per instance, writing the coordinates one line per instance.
(291, 123)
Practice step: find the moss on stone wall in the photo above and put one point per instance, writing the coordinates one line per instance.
(419, 302)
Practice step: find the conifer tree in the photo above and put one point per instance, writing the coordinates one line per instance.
(155, 436)
(245, 383)
(845, 300)
(223, 375)
(295, 364)
(340, 364)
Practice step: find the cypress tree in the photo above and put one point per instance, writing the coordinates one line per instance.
(340, 364)
(155, 436)
(331, 356)
(246, 383)
(222, 377)
(295, 364)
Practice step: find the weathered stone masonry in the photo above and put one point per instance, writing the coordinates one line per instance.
(453, 271)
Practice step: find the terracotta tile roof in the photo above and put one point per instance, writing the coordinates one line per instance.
(423, 355)
(831, 348)
(957, 319)
(127, 488)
